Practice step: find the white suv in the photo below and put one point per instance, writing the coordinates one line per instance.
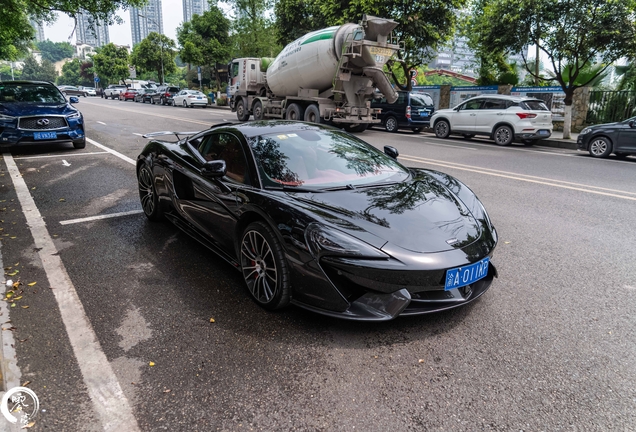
(502, 118)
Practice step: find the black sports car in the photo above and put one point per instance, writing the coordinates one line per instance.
(314, 216)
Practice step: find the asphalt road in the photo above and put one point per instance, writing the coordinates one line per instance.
(551, 346)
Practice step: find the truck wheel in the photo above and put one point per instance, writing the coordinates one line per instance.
(360, 127)
(257, 110)
(312, 114)
(241, 112)
(294, 113)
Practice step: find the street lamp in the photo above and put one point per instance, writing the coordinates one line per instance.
(163, 77)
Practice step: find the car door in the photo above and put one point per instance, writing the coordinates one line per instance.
(464, 118)
(627, 136)
(491, 112)
(211, 204)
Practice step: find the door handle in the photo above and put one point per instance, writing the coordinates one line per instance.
(500, 113)
(473, 115)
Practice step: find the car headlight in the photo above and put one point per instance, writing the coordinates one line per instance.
(323, 240)
(585, 131)
(6, 117)
(76, 114)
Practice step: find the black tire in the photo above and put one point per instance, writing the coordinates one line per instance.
(621, 155)
(442, 129)
(503, 135)
(173, 103)
(264, 267)
(416, 130)
(241, 113)
(257, 110)
(391, 124)
(294, 112)
(185, 104)
(148, 194)
(600, 147)
(80, 144)
(312, 114)
(152, 101)
(360, 127)
(468, 136)
(162, 101)
(85, 95)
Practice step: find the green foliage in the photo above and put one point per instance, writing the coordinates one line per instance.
(588, 74)
(155, 53)
(16, 33)
(295, 18)
(628, 76)
(32, 70)
(110, 64)
(253, 34)
(72, 74)
(55, 51)
(5, 72)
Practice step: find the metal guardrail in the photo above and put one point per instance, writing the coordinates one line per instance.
(610, 106)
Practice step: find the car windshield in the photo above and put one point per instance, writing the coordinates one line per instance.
(322, 159)
(32, 93)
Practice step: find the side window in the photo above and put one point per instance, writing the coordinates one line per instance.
(494, 104)
(225, 146)
(401, 98)
(472, 105)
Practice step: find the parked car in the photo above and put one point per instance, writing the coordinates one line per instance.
(357, 237)
(144, 95)
(72, 91)
(412, 111)
(500, 117)
(164, 95)
(128, 94)
(90, 91)
(113, 91)
(189, 99)
(36, 112)
(604, 139)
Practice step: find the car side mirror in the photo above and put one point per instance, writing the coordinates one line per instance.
(73, 99)
(631, 123)
(391, 152)
(214, 169)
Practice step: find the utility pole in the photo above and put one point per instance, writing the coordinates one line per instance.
(536, 57)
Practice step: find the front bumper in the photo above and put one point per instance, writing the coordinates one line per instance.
(582, 142)
(17, 137)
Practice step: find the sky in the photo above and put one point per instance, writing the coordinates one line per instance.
(61, 30)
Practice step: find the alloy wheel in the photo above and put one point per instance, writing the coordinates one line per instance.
(598, 147)
(503, 136)
(441, 129)
(258, 266)
(146, 191)
(391, 124)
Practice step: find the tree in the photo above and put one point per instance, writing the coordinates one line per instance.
(72, 74)
(295, 18)
(32, 70)
(156, 52)
(110, 63)
(55, 51)
(16, 32)
(572, 35)
(254, 34)
(205, 39)
(6, 75)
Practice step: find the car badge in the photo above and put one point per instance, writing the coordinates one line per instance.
(452, 241)
(43, 122)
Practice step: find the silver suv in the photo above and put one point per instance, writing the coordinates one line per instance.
(500, 117)
(113, 90)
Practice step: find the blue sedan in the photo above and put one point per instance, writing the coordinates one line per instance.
(36, 112)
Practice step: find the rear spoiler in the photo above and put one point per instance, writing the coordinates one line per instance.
(162, 133)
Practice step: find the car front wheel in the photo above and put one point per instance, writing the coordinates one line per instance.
(503, 135)
(600, 147)
(80, 144)
(442, 129)
(264, 267)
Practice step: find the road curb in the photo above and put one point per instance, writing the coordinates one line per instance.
(558, 143)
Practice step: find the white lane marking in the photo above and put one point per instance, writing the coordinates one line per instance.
(103, 387)
(11, 374)
(60, 155)
(65, 163)
(453, 146)
(102, 123)
(517, 177)
(94, 218)
(138, 134)
(109, 150)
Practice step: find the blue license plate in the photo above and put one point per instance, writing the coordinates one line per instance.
(462, 276)
(543, 132)
(44, 135)
(199, 97)
(424, 113)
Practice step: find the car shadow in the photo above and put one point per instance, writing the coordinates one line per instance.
(52, 149)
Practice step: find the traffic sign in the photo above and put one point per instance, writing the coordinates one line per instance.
(96, 79)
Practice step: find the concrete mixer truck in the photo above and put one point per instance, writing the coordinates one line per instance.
(326, 76)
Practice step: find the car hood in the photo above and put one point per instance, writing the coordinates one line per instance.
(18, 109)
(420, 215)
(604, 126)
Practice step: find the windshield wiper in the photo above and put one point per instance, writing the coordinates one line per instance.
(337, 188)
(287, 188)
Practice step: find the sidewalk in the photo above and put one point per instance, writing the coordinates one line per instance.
(556, 140)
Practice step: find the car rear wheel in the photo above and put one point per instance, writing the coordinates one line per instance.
(174, 103)
(258, 110)
(264, 267)
(503, 135)
(600, 147)
(442, 129)
(185, 104)
(294, 112)
(241, 112)
(391, 124)
(148, 194)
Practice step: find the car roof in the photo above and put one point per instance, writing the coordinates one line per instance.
(256, 128)
(505, 97)
(27, 82)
